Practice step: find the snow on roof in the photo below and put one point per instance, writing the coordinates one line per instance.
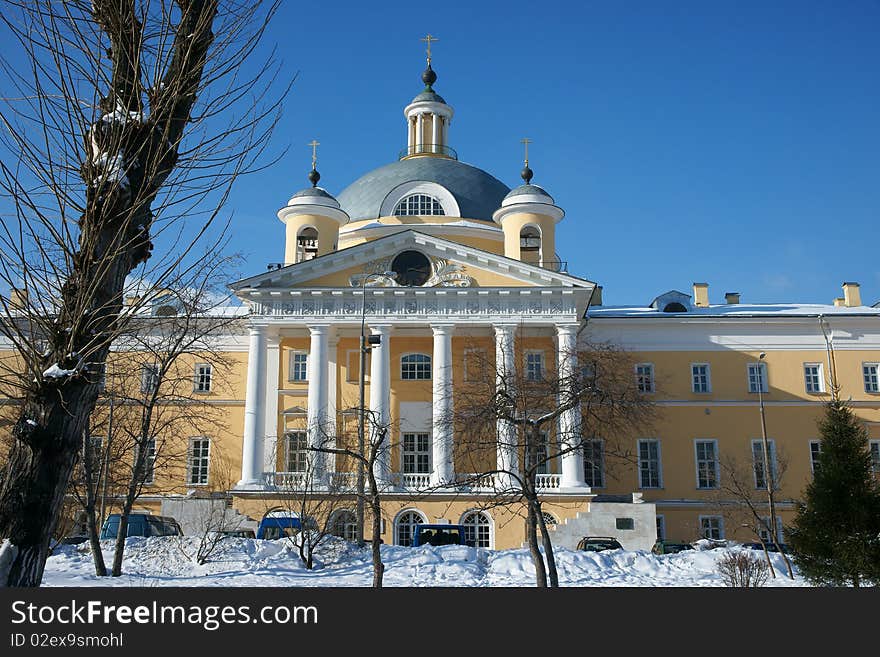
(739, 310)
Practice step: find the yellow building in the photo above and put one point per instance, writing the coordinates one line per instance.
(446, 267)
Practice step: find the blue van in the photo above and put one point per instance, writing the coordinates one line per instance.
(141, 524)
(278, 525)
(439, 535)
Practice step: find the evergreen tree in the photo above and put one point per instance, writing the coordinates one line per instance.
(835, 537)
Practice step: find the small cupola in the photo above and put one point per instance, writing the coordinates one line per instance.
(528, 216)
(312, 219)
(428, 118)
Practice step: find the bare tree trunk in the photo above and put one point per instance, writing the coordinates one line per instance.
(548, 549)
(532, 538)
(376, 510)
(91, 486)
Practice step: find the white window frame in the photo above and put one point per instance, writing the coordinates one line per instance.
(774, 472)
(397, 524)
(418, 367)
(418, 454)
(720, 521)
(528, 364)
(708, 379)
(204, 464)
(349, 524)
(149, 463)
(488, 528)
(203, 378)
(432, 204)
(294, 368)
(762, 367)
(871, 379)
(592, 443)
(765, 534)
(645, 379)
(814, 454)
(542, 456)
(480, 357)
(299, 454)
(149, 377)
(714, 462)
(820, 383)
(661, 527)
(659, 463)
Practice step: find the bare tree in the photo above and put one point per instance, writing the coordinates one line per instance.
(743, 503)
(526, 414)
(122, 119)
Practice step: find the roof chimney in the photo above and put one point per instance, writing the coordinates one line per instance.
(731, 297)
(596, 299)
(701, 295)
(851, 295)
(839, 301)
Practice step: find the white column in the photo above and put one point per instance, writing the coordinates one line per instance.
(435, 133)
(270, 447)
(317, 400)
(380, 400)
(569, 426)
(419, 126)
(254, 411)
(442, 435)
(333, 345)
(507, 449)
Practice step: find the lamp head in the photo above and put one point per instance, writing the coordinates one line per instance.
(761, 355)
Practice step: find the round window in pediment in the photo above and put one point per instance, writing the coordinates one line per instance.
(412, 268)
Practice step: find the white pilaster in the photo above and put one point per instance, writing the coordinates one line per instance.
(317, 399)
(254, 411)
(569, 426)
(380, 400)
(442, 434)
(435, 133)
(419, 127)
(505, 375)
(332, 356)
(273, 362)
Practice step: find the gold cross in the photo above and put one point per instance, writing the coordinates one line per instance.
(526, 141)
(428, 39)
(314, 144)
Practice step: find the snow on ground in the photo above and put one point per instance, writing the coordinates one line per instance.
(166, 561)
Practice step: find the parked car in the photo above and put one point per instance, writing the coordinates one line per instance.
(670, 547)
(278, 524)
(238, 533)
(439, 535)
(141, 524)
(74, 539)
(598, 544)
(770, 547)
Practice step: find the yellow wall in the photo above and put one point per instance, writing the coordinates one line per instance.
(328, 234)
(513, 224)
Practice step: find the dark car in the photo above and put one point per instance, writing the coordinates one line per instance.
(238, 533)
(141, 524)
(439, 535)
(770, 547)
(670, 547)
(598, 544)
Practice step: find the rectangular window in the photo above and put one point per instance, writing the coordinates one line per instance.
(299, 366)
(712, 527)
(645, 377)
(707, 463)
(149, 461)
(700, 377)
(649, 464)
(415, 367)
(197, 462)
(874, 446)
(474, 365)
(534, 366)
(661, 528)
(758, 461)
(202, 382)
(416, 453)
(541, 463)
(594, 463)
(872, 378)
(625, 523)
(814, 382)
(757, 377)
(764, 531)
(297, 452)
(149, 377)
(815, 446)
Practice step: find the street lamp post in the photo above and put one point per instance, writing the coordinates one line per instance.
(365, 345)
(767, 478)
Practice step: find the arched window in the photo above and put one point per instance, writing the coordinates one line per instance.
(406, 527)
(306, 244)
(478, 529)
(418, 205)
(415, 367)
(529, 240)
(549, 519)
(674, 307)
(344, 525)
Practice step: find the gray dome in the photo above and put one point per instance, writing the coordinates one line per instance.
(531, 190)
(477, 193)
(312, 191)
(429, 95)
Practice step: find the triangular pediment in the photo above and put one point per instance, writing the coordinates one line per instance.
(451, 265)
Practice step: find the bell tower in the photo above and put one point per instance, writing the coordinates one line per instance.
(428, 118)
